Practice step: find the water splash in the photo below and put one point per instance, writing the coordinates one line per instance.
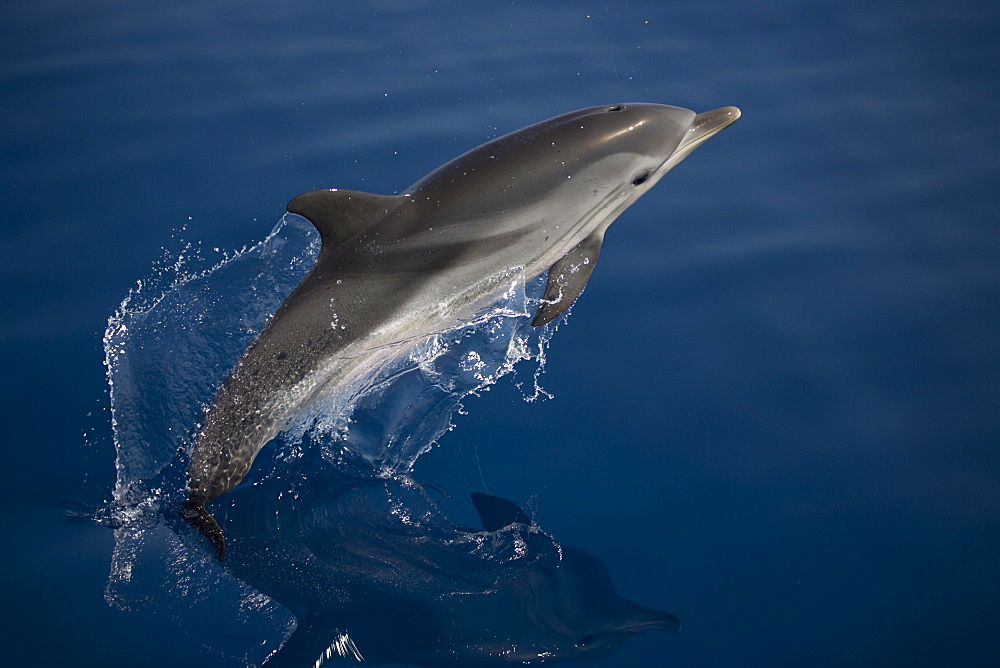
(175, 337)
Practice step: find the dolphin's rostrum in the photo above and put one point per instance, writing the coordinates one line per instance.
(395, 269)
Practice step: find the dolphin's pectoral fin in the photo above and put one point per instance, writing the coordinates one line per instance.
(496, 513)
(197, 516)
(342, 214)
(568, 277)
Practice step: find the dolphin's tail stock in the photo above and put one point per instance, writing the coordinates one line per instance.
(196, 515)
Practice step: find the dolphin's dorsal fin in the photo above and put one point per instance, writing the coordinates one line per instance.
(496, 513)
(568, 277)
(341, 214)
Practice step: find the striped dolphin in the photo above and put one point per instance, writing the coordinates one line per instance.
(395, 269)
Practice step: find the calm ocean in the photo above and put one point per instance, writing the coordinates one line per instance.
(775, 410)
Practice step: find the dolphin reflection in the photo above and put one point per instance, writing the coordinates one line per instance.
(375, 572)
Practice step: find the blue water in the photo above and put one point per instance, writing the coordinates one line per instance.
(776, 405)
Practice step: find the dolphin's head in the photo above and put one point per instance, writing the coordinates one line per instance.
(620, 151)
(589, 165)
(576, 603)
(654, 136)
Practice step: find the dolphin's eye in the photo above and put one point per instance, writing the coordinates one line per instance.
(640, 178)
(587, 639)
(617, 107)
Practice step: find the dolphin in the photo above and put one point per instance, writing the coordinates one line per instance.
(396, 269)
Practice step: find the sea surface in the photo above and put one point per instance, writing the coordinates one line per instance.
(774, 412)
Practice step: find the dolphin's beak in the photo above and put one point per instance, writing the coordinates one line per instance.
(655, 621)
(647, 619)
(707, 125)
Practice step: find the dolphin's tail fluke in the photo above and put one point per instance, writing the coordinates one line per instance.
(197, 516)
